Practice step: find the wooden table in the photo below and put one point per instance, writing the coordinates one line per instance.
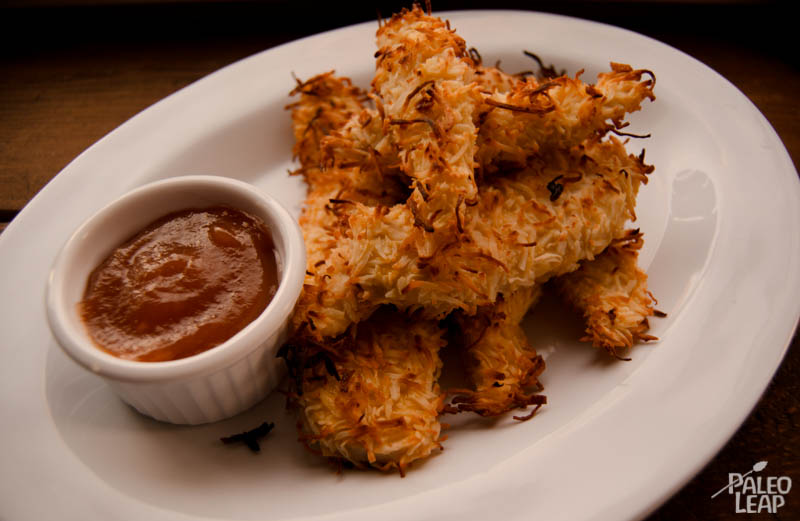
(69, 75)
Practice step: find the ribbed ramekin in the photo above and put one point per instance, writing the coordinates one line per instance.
(206, 387)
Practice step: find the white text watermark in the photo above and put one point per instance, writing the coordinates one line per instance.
(756, 494)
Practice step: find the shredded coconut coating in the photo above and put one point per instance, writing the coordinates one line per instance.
(519, 116)
(349, 421)
(424, 81)
(330, 128)
(326, 104)
(380, 406)
(611, 293)
(492, 80)
(561, 112)
(517, 235)
(502, 367)
(361, 160)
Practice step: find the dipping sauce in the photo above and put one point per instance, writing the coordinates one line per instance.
(186, 283)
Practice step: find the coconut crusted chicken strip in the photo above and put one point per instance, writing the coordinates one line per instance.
(611, 293)
(325, 225)
(326, 104)
(502, 367)
(372, 398)
(377, 404)
(561, 112)
(334, 124)
(424, 82)
(525, 228)
(520, 116)
(329, 122)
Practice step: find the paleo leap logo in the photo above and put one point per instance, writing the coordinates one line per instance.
(757, 494)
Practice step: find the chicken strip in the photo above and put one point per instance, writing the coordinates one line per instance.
(388, 432)
(328, 118)
(611, 293)
(424, 81)
(501, 365)
(610, 290)
(524, 229)
(372, 398)
(326, 104)
(520, 116)
(561, 112)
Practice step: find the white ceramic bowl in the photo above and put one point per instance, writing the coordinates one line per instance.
(206, 387)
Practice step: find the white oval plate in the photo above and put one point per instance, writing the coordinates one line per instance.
(720, 216)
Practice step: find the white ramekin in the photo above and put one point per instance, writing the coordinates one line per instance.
(206, 387)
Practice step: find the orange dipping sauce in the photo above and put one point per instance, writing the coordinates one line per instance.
(186, 283)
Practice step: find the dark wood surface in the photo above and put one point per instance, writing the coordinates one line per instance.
(70, 74)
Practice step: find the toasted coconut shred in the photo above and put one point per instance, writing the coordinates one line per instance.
(451, 193)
